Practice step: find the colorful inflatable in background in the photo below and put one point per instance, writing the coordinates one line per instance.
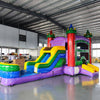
(71, 56)
(95, 59)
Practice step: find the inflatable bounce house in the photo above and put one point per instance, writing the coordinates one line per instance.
(71, 56)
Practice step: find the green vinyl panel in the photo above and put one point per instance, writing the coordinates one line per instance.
(9, 67)
(60, 63)
(39, 60)
(77, 63)
(46, 65)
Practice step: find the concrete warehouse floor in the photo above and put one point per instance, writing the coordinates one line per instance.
(56, 88)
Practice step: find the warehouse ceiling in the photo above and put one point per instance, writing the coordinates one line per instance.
(41, 16)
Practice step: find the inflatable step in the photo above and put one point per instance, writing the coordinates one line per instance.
(88, 68)
(94, 67)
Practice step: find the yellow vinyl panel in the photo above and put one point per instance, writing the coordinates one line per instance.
(53, 52)
(88, 68)
(94, 67)
(8, 64)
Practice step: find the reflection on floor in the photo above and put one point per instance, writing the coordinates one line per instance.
(56, 88)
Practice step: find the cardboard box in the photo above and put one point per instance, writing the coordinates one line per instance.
(20, 62)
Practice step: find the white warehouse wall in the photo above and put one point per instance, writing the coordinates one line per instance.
(32, 40)
(9, 37)
(33, 53)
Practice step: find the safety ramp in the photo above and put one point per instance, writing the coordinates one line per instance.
(89, 70)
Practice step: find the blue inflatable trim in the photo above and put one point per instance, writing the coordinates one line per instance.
(5, 74)
(30, 68)
(45, 70)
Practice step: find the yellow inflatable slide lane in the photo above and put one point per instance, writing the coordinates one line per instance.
(89, 69)
(25, 65)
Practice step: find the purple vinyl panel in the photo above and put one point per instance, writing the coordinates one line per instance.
(46, 75)
(0, 78)
(58, 41)
(58, 71)
(85, 72)
(66, 56)
(81, 38)
(13, 81)
(70, 70)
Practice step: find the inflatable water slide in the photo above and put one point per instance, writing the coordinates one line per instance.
(71, 56)
(48, 64)
(49, 58)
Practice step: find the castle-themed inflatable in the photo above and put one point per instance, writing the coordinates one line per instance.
(70, 56)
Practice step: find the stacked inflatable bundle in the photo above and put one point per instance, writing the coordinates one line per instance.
(9, 70)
